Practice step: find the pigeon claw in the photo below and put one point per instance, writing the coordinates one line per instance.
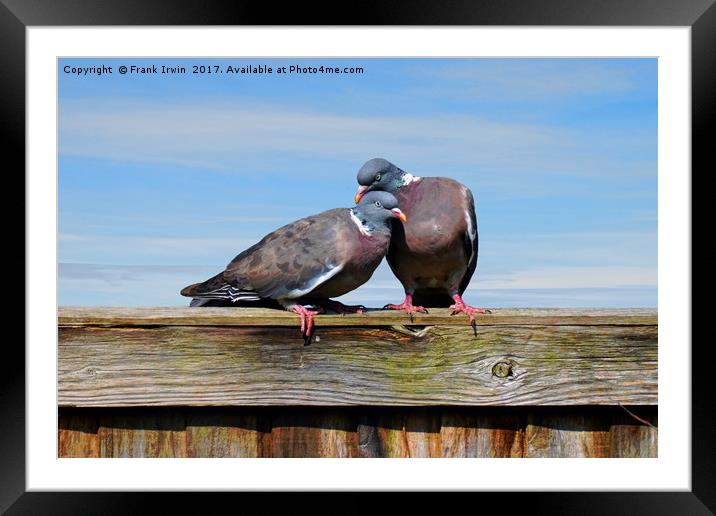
(408, 307)
(306, 322)
(461, 307)
(467, 310)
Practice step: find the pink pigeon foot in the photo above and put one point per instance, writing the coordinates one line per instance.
(407, 306)
(461, 307)
(338, 307)
(306, 322)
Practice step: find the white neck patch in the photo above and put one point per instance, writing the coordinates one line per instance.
(363, 229)
(410, 178)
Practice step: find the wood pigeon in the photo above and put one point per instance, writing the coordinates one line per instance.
(434, 254)
(308, 261)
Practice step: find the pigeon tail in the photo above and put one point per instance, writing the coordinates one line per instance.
(217, 288)
(189, 291)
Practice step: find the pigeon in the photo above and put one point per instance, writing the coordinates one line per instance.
(435, 254)
(308, 261)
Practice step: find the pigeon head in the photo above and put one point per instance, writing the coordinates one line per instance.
(380, 175)
(377, 208)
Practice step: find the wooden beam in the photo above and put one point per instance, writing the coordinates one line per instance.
(268, 317)
(254, 357)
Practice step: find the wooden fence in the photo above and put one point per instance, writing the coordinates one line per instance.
(229, 382)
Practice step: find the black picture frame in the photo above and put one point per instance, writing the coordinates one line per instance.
(17, 15)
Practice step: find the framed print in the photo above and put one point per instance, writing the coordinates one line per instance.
(340, 171)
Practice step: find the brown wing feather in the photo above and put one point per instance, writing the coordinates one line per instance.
(471, 244)
(290, 258)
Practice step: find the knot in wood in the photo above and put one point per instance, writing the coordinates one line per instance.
(502, 369)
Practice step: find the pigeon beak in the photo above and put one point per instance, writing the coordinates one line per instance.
(399, 214)
(360, 193)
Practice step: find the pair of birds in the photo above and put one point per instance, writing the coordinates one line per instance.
(432, 250)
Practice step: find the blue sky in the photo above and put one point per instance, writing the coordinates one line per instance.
(163, 179)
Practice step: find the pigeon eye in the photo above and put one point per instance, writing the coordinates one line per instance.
(377, 178)
(377, 203)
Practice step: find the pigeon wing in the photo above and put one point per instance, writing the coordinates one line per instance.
(293, 260)
(470, 239)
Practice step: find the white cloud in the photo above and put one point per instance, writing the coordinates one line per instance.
(183, 132)
(236, 135)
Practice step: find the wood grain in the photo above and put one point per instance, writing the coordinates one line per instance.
(443, 365)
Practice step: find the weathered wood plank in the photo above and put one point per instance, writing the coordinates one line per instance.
(381, 433)
(142, 434)
(440, 365)
(360, 432)
(92, 316)
(487, 433)
(555, 434)
(399, 432)
(630, 438)
(221, 433)
(313, 433)
(422, 433)
(77, 434)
